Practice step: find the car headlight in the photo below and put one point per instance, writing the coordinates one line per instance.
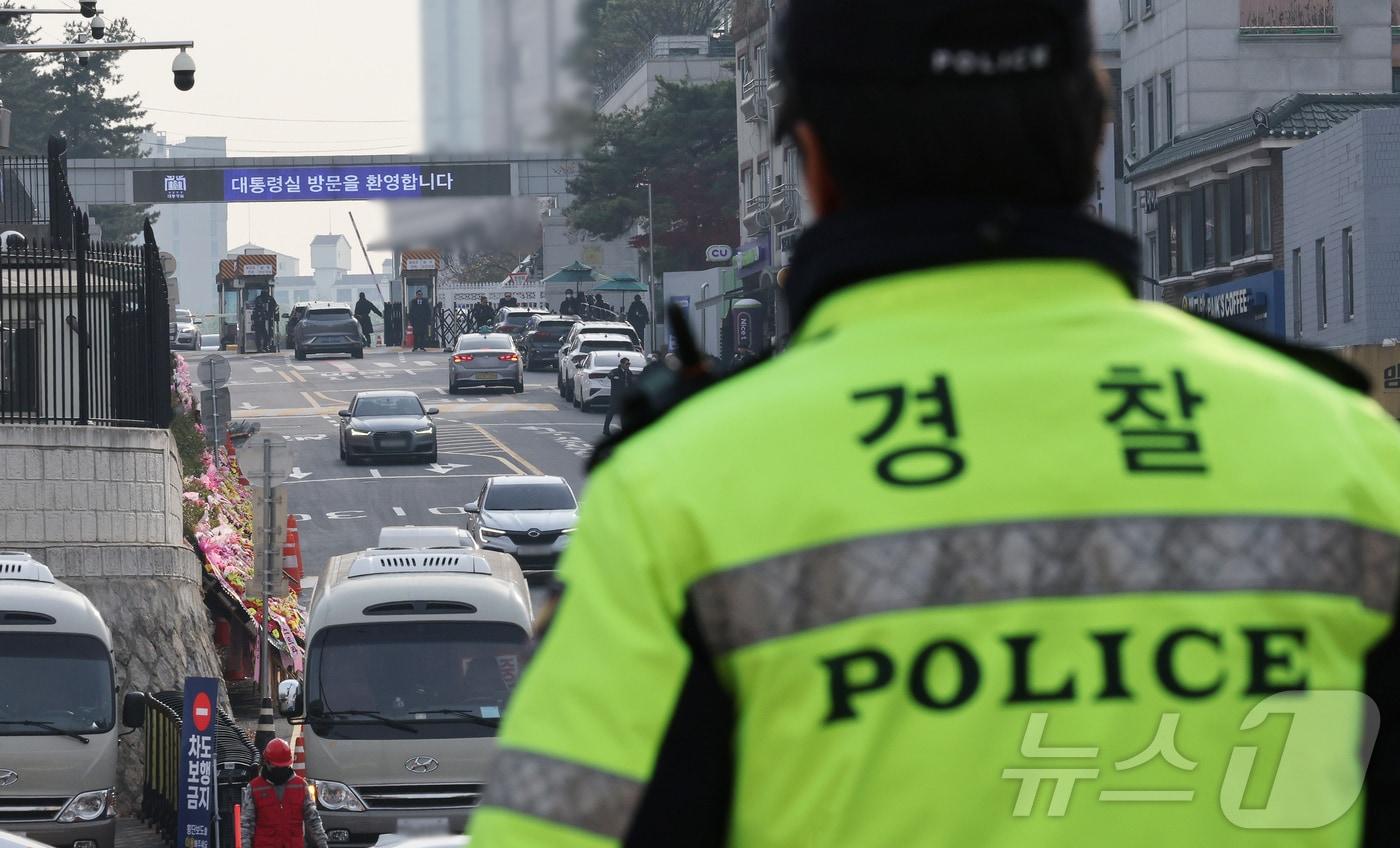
(89, 806)
(355, 432)
(338, 797)
(491, 531)
(426, 431)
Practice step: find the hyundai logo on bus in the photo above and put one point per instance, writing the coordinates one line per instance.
(421, 765)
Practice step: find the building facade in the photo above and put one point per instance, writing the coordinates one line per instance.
(1213, 93)
(1343, 258)
(196, 234)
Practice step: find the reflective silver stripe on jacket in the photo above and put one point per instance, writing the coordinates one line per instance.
(947, 566)
(564, 792)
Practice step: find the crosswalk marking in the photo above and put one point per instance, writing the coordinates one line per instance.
(424, 363)
(261, 369)
(304, 367)
(341, 365)
(387, 364)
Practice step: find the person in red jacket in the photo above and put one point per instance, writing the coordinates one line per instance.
(278, 811)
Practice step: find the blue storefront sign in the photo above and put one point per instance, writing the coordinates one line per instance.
(1254, 303)
(198, 794)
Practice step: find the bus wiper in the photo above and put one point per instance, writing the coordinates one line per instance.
(48, 725)
(377, 716)
(471, 717)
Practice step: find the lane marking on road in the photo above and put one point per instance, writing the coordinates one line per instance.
(374, 472)
(504, 448)
(398, 510)
(261, 369)
(387, 364)
(424, 363)
(453, 478)
(343, 366)
(315, 404)
(304, 367)
(286, 377)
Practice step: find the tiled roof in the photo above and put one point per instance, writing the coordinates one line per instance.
(1297, 116)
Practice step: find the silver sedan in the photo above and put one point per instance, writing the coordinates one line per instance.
(484, 360)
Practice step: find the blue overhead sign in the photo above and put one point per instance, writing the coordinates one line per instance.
(341, 182)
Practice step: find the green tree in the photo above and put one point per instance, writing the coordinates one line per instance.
(52, 95)
(683, 142)
(615, 31)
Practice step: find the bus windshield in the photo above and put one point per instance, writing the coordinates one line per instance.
(55, 683)
(408, 673)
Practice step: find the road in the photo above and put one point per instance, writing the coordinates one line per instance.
(340, 508)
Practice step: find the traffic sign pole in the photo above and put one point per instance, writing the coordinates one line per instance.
(214, 373)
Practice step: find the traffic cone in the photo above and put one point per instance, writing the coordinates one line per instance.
(289, 562)
(299, 756)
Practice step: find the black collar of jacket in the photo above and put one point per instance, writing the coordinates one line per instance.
(849, 248)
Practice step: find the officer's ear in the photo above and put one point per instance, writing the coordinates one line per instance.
(821, 188)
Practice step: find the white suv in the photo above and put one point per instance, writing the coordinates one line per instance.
(578, 354)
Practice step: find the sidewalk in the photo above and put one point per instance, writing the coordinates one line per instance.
(132, 833)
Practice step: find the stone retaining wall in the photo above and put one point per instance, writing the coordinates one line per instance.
(101, 507)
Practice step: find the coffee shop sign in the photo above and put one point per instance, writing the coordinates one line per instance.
(1238, 303)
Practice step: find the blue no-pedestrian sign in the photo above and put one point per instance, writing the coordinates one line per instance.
(198, 794)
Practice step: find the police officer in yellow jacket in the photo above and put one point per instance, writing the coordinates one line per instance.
(994, 554)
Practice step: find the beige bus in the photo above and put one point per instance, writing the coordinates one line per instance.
(412, 652)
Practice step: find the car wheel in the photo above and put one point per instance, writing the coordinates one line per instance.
(300, 354)
(452, 389)
(342, 451)
(432, 458)
(357, 354)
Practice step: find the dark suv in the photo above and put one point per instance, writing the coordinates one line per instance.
(543, 335)
(328, 328)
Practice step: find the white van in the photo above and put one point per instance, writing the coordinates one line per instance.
(412, 653)
(58, 711)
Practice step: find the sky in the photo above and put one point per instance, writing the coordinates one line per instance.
(312, 65)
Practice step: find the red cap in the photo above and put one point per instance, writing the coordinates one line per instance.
(277, 754)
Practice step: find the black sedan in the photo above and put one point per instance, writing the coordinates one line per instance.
(388, 423)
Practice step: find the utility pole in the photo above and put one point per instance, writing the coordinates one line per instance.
(651, 264)
(265, 464)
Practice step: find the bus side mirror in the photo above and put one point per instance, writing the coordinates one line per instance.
(289, 698)
(134, 710)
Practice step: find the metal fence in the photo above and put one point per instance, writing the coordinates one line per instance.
(160, 786)
(84, 325)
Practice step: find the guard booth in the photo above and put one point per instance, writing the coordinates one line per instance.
(228, 285)
(418, 271)
(257, 273)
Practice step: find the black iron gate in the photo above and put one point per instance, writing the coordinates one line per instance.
(84, 325)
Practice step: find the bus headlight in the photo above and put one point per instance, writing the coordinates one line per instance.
(338, 797)
(88, 806)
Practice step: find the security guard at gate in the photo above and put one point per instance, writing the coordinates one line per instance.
(994, 554)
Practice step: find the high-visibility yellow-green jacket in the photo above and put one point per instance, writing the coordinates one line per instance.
(982, 524)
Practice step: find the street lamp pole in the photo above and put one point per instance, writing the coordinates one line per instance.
(90, 47)
(651, 263)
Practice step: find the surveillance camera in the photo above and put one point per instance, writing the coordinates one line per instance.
(12, 240)
(87, 7)
(99, 28)
(183, 68)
